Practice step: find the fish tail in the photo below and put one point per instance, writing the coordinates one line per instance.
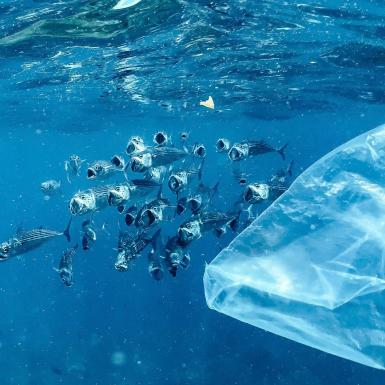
(281, 151)
(66, 232)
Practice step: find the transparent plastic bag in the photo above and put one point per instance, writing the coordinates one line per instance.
(312, 267)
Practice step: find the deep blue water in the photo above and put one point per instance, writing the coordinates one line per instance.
(78, 77)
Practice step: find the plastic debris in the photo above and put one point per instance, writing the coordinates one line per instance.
(122, 4)
(311, 268)
(209, 103)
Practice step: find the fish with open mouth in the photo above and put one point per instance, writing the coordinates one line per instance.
(161, 139)
(194, 228)
(175, 255)
(26, 241)
(120, 194)
(72, 166)
(269, 191)
(65, 266)
(152, 213)
(102, 169)
(179, 180)
(129, 247)
(135, 145)
(223, 145)
(90, 200)
(156, 157)
(246, 149)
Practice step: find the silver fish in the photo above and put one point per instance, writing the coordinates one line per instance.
(161, 139)
(24, 242)
(243, 150)
(179, 180)
(102, 169)
(199, 151)
(194, 228)
(152, 213)
(50, 187)
(89, 235)
(88, 201)
(65, 266)
(72, 166)
(155, 157)
(129, 248)
(223, 145)
(121, 194)
(135, 145)
(176, 255)
(269, 191)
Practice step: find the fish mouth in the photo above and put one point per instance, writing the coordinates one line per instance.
(253, 194)
(76, 207)
(115, 198)
(194, 204)
(118, 162)
(222, 145)
(148, 217)
(200, 151)
(91, 173)
(174, 183)
(180, 209)
(160, 138)
(137, 165)
(131, 148)
(129, 219)
(235, 154)
(185, 235)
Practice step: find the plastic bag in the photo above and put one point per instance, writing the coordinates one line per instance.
(311, 267)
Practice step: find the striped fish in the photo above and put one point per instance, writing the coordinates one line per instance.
(26, 241)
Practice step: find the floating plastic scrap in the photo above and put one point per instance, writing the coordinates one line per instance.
(209, 103)
(126, 4)
(312, 267)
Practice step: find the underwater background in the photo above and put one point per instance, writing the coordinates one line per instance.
(80, 77)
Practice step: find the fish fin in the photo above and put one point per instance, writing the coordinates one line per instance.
(200, 169)
(289, 170)
(281, 151)
(67, 231)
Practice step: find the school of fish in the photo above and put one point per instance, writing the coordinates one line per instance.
(169, 185)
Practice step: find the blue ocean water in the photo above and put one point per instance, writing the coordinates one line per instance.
(80, 77)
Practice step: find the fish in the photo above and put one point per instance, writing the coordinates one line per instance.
(155, 268)
(194, 228)
(102, 169)
(89, 235)
(202, 198)
(161, 139)
(156, 174)
(245, 149)
(50, 187)
(269, 191)
(26, 241)
(199, 151)
(90, 200)
(135, 145)
(155, 157)
(65, 266)
(130, 247)
(175, 255)
(72, 166)
(222, 145)
(152, 213)
(120, 194)
(130, 215)
(179, 180)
